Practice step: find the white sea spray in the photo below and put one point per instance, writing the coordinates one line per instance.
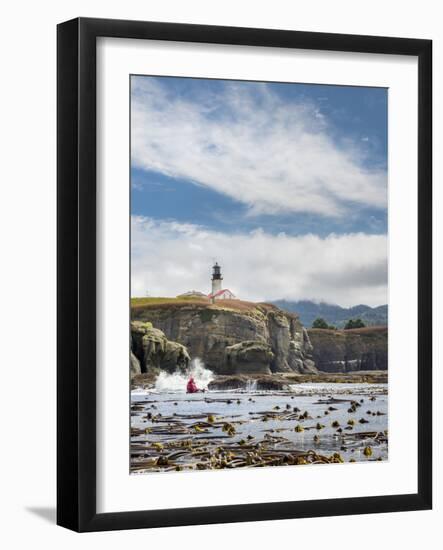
(177, 381)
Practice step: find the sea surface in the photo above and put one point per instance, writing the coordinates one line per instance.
(326, 418)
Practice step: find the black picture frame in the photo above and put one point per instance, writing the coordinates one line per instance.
(76, 265)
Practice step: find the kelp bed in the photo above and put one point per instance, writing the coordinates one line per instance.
(260, 437)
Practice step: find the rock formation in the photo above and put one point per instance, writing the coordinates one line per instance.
(135, 365)
(350, 350)
(153, 350)
(243, 381)
(229, 336)
(249, 356)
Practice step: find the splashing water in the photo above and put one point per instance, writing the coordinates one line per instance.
(176, 382)
(251, 385)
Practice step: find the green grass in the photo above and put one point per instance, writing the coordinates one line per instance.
(136, 302)
(256, 310)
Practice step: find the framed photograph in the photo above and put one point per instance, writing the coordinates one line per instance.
(244, 274)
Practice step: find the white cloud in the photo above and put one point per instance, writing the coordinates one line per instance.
(247, 143)
(169, 258)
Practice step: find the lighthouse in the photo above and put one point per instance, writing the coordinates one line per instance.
(216, 279)
(219, 293)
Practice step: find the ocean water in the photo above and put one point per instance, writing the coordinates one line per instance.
(263, 416)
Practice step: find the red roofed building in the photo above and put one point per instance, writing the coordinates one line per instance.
(223, 294)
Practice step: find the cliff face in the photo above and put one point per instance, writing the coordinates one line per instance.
(235, 336)
(150, 349)
(350, 350)
(249, 356)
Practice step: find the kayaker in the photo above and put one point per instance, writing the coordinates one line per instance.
(191, 386)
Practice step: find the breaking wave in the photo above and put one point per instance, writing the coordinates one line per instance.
(176, 382)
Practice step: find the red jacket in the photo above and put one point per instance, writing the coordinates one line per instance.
(191, 387)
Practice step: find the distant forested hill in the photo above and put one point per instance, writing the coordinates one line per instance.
(333, 314)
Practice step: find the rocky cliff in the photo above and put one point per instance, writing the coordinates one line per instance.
(230, 337)
(150, 349)
(350, 350)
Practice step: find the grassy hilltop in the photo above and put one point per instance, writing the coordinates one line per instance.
(239, 306)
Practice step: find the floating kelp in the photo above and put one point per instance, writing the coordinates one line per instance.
(215, 431)
(241, 455)
(207, 454)
(367, 451)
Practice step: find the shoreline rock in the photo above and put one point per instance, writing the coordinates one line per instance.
(242, 382)
(273, 382)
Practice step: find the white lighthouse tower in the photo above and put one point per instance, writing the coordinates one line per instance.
(219, 293)
(216, 279)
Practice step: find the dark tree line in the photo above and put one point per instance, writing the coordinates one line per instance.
(351, 323)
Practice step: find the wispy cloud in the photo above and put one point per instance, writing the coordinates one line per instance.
(169, 258)
(244, 141)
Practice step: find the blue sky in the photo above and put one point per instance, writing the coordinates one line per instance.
(215, 163)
